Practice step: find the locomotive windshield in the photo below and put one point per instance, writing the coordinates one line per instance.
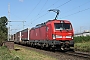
(62, 26)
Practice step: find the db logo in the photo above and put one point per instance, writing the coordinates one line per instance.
(63, 36)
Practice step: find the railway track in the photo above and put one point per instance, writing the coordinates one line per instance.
(79, 54)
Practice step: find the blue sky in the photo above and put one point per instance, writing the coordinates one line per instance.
(36, 11)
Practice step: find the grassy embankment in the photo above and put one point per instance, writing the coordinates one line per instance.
(82, 43)
(22, 54)
(5, 54)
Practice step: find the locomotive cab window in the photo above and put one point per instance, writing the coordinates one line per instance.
(62, 26)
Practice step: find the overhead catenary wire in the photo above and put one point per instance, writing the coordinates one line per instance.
(50, 6)
(58, 6)
(39, 17)
(76, 12)
(41, 9)
(53, 4)
(64, 3)
(75, 9)
(78, 6)
(33, 9)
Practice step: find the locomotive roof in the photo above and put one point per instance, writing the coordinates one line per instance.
(43, 24)
(39, 25)
(65, 21)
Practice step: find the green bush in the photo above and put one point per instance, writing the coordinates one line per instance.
(81, 39)
(3, 29)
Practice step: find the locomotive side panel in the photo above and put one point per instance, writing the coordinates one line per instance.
(42, 33)
(32, 34)
(25, 34)
(38, 33)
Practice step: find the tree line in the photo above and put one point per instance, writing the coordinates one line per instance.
(3, 29)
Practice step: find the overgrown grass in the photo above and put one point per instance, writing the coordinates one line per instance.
(5, 54)
(85, 46)
(82, 43)
(26, 54)
(22, 54)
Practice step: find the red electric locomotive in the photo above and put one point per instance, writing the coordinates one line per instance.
(53, 33)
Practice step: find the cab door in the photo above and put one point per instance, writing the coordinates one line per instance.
(49, 32)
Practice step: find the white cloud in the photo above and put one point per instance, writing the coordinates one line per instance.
(21, 0)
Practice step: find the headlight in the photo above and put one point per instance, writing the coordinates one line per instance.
(68, 36)
(72, 37)
(58, 36)
(53, 36)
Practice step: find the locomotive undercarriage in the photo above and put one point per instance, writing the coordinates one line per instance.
(49, 44)
(62, 45)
